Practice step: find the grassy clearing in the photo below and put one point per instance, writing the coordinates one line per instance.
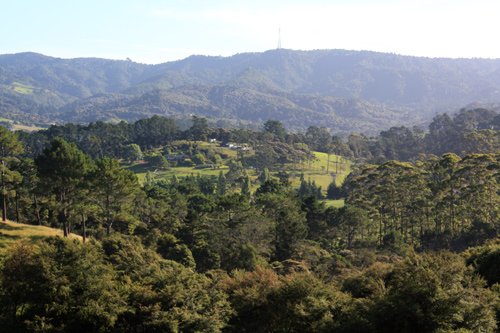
(19, 127)
(11, 232)
(22, 89)
(26, 128)
(337, 164)
(334, 203)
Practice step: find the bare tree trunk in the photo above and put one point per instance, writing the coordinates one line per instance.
(328, 164)
(37, 211)
(84, 229)
(65, 223)
(4, 201)
(17, 208)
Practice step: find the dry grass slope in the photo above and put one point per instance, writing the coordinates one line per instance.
(11, 232)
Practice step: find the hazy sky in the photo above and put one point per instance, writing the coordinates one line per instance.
(154, 31)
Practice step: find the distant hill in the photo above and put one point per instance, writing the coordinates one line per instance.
(347, 91)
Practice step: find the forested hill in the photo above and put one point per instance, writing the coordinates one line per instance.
(350, 91)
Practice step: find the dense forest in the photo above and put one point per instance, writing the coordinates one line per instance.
(414, 248)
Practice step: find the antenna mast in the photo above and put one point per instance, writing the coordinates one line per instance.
(279, 38)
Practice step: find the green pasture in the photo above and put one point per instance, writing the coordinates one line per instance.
(334, 203)
(18, 127)
(22, 88)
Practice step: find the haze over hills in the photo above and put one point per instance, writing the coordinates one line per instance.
(346, 91)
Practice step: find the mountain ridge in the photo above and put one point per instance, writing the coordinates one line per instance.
(404, 88)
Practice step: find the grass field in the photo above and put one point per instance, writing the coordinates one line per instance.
(26, 128)
(22, 89)
(11, 232)
(334, 203)
(19, 127)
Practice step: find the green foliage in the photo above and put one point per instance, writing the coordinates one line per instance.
(318, 138)
(221, 184)
(295, 303)
(113, 192)
(310, 188)
(156, 161)
(444, 297)
(181, 254)
(62, 169)
(264, 176)
(64, 285)
(9, 148)
(334, 192)
(275, 127)
(132, 152)
(485, 261)
(245, 187)
(288, 221)
(198, 158)
(155, 131)
(163, 295)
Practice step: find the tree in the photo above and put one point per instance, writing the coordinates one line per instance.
(289, 221)
(275, 127)
(206, 185)
(265, 156)
(114, 189)
(59, 285)
(199, 129)
(155, 131)
(27, 189)
(433, 292)
(62, 169)
(318, 138)
(245, 188)
(334, 192)
(199, 159)
(351, 222)
(9, 147)
(165, 296)
(131, 153)
(358, 145)
(264, 176)
(157, 161)
(221, 184)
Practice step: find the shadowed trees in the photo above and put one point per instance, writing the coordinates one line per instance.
(62, 169)
(9, 148)
(112, 190)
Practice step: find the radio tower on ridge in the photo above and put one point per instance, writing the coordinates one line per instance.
(279, 38)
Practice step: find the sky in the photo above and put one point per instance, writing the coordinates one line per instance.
(154, 31)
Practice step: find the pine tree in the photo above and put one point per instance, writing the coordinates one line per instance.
(264, 176)
(113, 191)
(221, 185)
(62, 168)
(245, 188)
(9, 147)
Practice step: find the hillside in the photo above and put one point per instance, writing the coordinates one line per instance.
(347, 91)
(295, 111)
(11, 232)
